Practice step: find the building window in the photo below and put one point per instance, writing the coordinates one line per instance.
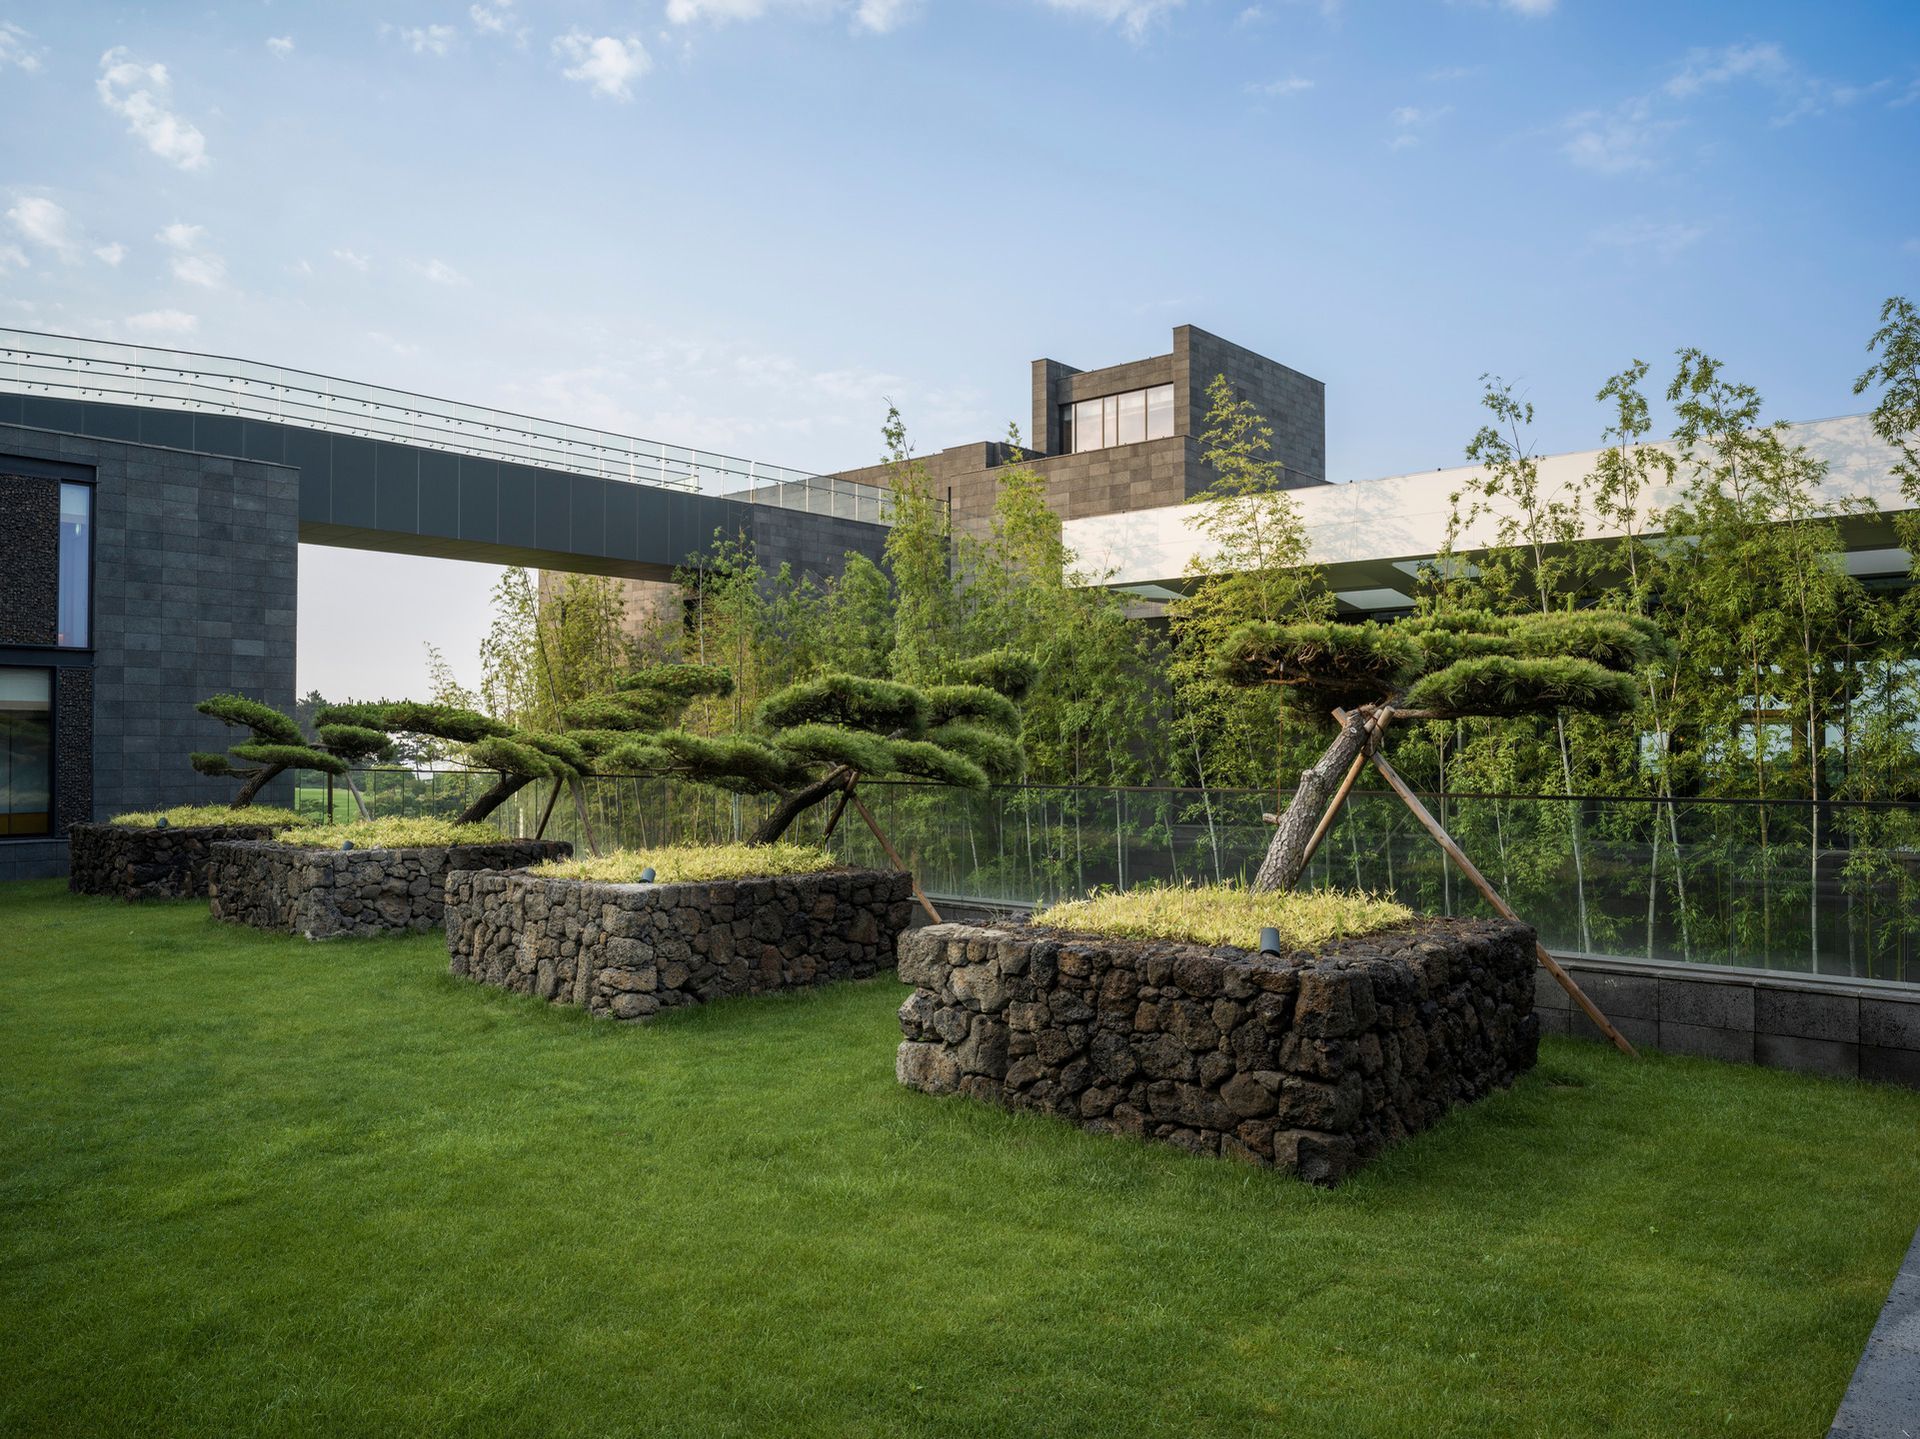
(76, 564)
(1124, 419)
(26, 752)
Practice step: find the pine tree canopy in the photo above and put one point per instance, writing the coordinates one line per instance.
(1456, 665)
(1005, 672)
(851, 701)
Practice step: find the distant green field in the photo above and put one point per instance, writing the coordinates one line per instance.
(254, 1186)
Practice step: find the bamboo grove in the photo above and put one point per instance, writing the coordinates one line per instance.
(1775, 735)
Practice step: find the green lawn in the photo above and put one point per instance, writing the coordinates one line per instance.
(250, 1185)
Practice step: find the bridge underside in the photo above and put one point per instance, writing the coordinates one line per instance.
(360, 493)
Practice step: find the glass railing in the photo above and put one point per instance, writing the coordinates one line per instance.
(107, 372)
(1832, 890)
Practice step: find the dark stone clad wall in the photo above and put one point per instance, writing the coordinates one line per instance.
(140, 864)
(1312, 1063)
(627, 951)
(336, 893)
(72, 746)
(195, 561)
(29, 559)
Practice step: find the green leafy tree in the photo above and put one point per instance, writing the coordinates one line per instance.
(920, 557)
(1255, 570)
(1896, 414)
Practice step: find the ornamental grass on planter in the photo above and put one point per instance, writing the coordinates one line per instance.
(374, 877)
(162, 854)
(1311, 1058)
(712, 922)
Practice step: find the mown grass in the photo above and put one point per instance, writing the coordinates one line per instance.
(250, 1185)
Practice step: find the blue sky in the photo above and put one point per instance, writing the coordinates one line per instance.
(745, 223)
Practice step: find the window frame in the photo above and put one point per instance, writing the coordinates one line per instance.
(92, 489)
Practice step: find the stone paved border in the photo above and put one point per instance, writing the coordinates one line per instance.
(1883, 1401)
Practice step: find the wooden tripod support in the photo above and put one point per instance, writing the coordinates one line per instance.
(547, 813)
(580, 808)
(860, 806)
(1467, 867)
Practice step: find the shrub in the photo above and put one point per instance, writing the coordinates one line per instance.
(188, 816)
(390, 834)
(692, 864)
(1227, 914)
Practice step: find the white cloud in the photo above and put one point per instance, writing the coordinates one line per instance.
(13, 257)
(44, 223)
(16, 49)
(163, 322)
(605, 64)
(428, 39)
(387, 342)
(110, 254)
(440, 273)
(353, 260)
(1410, 120)
(1132, 16)
(1664, 239)
(280, 46)
(139, 94)
(497, 18)
(881, 16)
(1286, 85)
(1616, 141)
(1533, 9)
(192, 262)
(1707, 68)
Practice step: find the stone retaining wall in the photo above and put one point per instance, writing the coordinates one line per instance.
(1312, 1062)
(136, 864)
(629, 951)
(328, 893)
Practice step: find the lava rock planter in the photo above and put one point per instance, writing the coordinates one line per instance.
(1312, 1062)
(333, 893)
(139, 863)
(628, 951)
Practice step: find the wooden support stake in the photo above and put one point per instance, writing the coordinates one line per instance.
(580, 808)
(840, 807)
(925, 903)
(354, 790)
(1479, 882)
(547, 813)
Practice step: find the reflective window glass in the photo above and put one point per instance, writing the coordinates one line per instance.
(76, 550)
(1133, 417)
(1086, 426)
(1110, 420)
(1066, 429)
(26, 751)
(1160, 412)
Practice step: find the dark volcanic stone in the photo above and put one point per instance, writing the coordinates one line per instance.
(332, 893)
(149, 863)
(628, 951)
(1310, 1062)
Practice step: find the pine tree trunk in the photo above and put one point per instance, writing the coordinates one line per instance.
(504, 789)
(1287, 854)
(792, 806)
(261, 779)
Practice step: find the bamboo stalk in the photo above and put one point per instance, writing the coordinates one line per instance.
(1479, 882)
(925, 903)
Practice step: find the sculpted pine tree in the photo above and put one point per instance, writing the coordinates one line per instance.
(1438, 667)
(276, 747)
(836, 730)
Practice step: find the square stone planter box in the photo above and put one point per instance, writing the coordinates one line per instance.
(135, 864)
(628, 951)
(331, 893)
(1311, 1062)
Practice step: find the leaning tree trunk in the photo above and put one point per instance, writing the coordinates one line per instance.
(505, 787)
(1287, 855)
(260, 780)
(792, 806)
